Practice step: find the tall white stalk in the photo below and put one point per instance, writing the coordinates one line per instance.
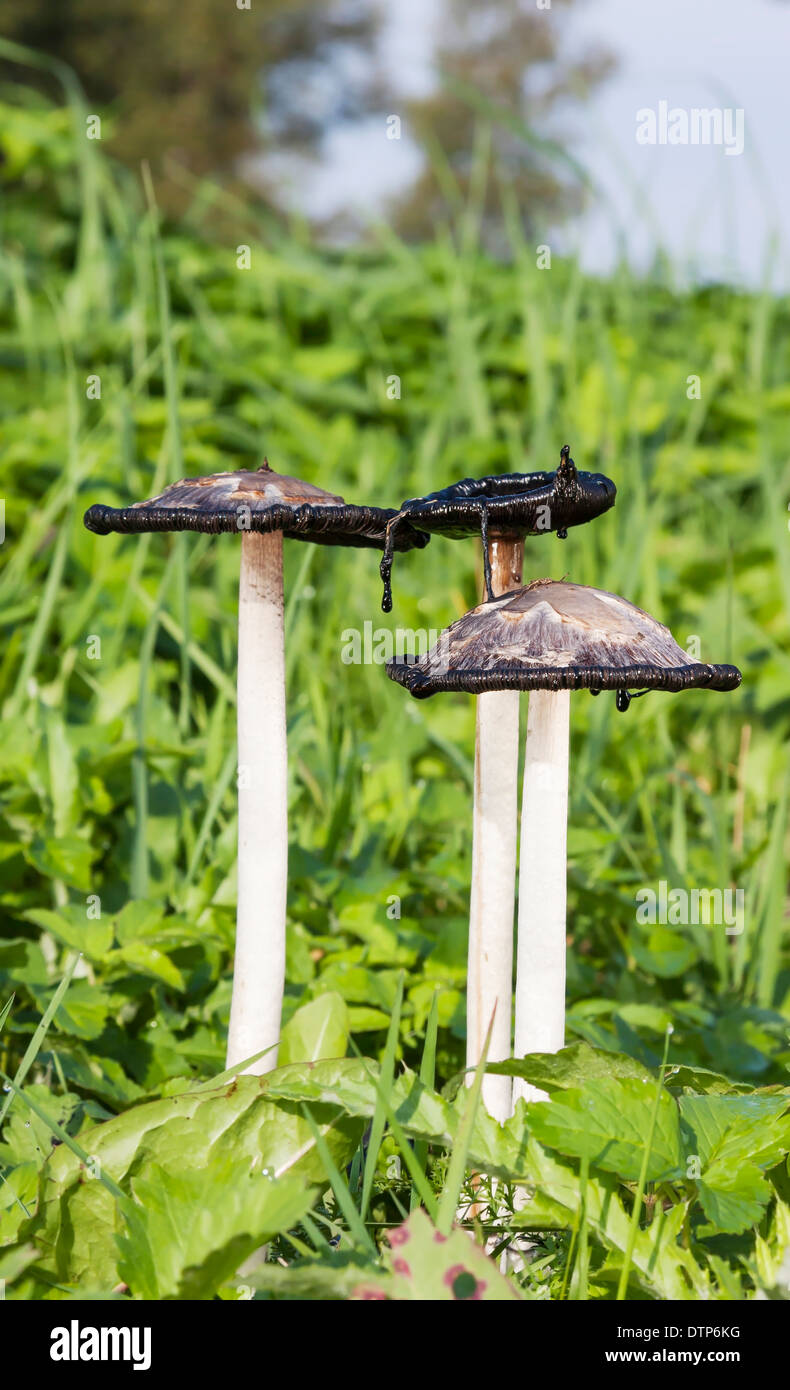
(490, 964)
(259, 967)
(494, 844)
(540, 969)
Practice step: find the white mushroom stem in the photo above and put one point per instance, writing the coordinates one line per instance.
(259, 967)
(540, 969)
(494, 844)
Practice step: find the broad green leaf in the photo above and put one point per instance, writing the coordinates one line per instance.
(14, 1262)
(364, 1020)
(99, 1076)
(664, 953)
(137, 918)
(733, 1199)
(77, 1217)
(187, 1233)
(72, 925)
(659, 1262)
(570, 1067)
(63, 776)
(608, 1121)
(18, 1189)
(327, 1277)
(26, 1138)
(550, 1183)
(83, 1012)
(141, 957)
(67, 858)
(702, 1081)
(317, 1030)
(729, 1139)
(732, 1129)
(22, 961)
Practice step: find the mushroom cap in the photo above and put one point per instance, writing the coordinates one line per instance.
(516, 504)
(261, 500)
(508, 505)
(552, 635)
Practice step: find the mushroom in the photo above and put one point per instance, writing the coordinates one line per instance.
(511, 505)
(263, 506)
(551, 638)
(503, 509)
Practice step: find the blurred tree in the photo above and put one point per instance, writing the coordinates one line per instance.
(211, 87)
(192, 84)
(501, 63)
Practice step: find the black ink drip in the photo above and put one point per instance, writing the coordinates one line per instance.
(624, 698)
(385, 568)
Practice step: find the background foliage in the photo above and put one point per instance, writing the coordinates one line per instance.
(117, 773)
(219, 89)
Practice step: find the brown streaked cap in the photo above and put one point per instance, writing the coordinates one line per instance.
(260, 500)
(507, 504)
(552, 635)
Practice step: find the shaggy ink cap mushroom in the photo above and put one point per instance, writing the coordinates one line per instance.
(507, 504)
(551, 638)
(553, 635)
(261, 507)
(503, 510)
(259, 501)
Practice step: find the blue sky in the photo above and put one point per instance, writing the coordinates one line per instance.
(715, 212)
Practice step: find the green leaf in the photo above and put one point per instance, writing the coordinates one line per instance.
(26, 1138)
(23, 961)
(137, 918)
(77, 1217)
(570, 1067)
(731, 1138)
(754, 1128)
(703, 1081)
(608, 1122)
(551, 1184)
(317, 1030)
(72, 925)
(335, 1276)
(67, 858)
(145, 959)
(733, 1200)
(15, 1261)
(83, 1013)
(659, 1263)
(664, 953)
(187, 1233)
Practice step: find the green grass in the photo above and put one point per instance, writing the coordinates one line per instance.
(117, 797)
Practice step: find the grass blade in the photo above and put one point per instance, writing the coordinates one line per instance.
(383, 1095)
(582, 1266)
(345, 1201)
(428, 1078)
(34, 1046)
(454, 1181)
(640, 1187)
(5, 1011)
